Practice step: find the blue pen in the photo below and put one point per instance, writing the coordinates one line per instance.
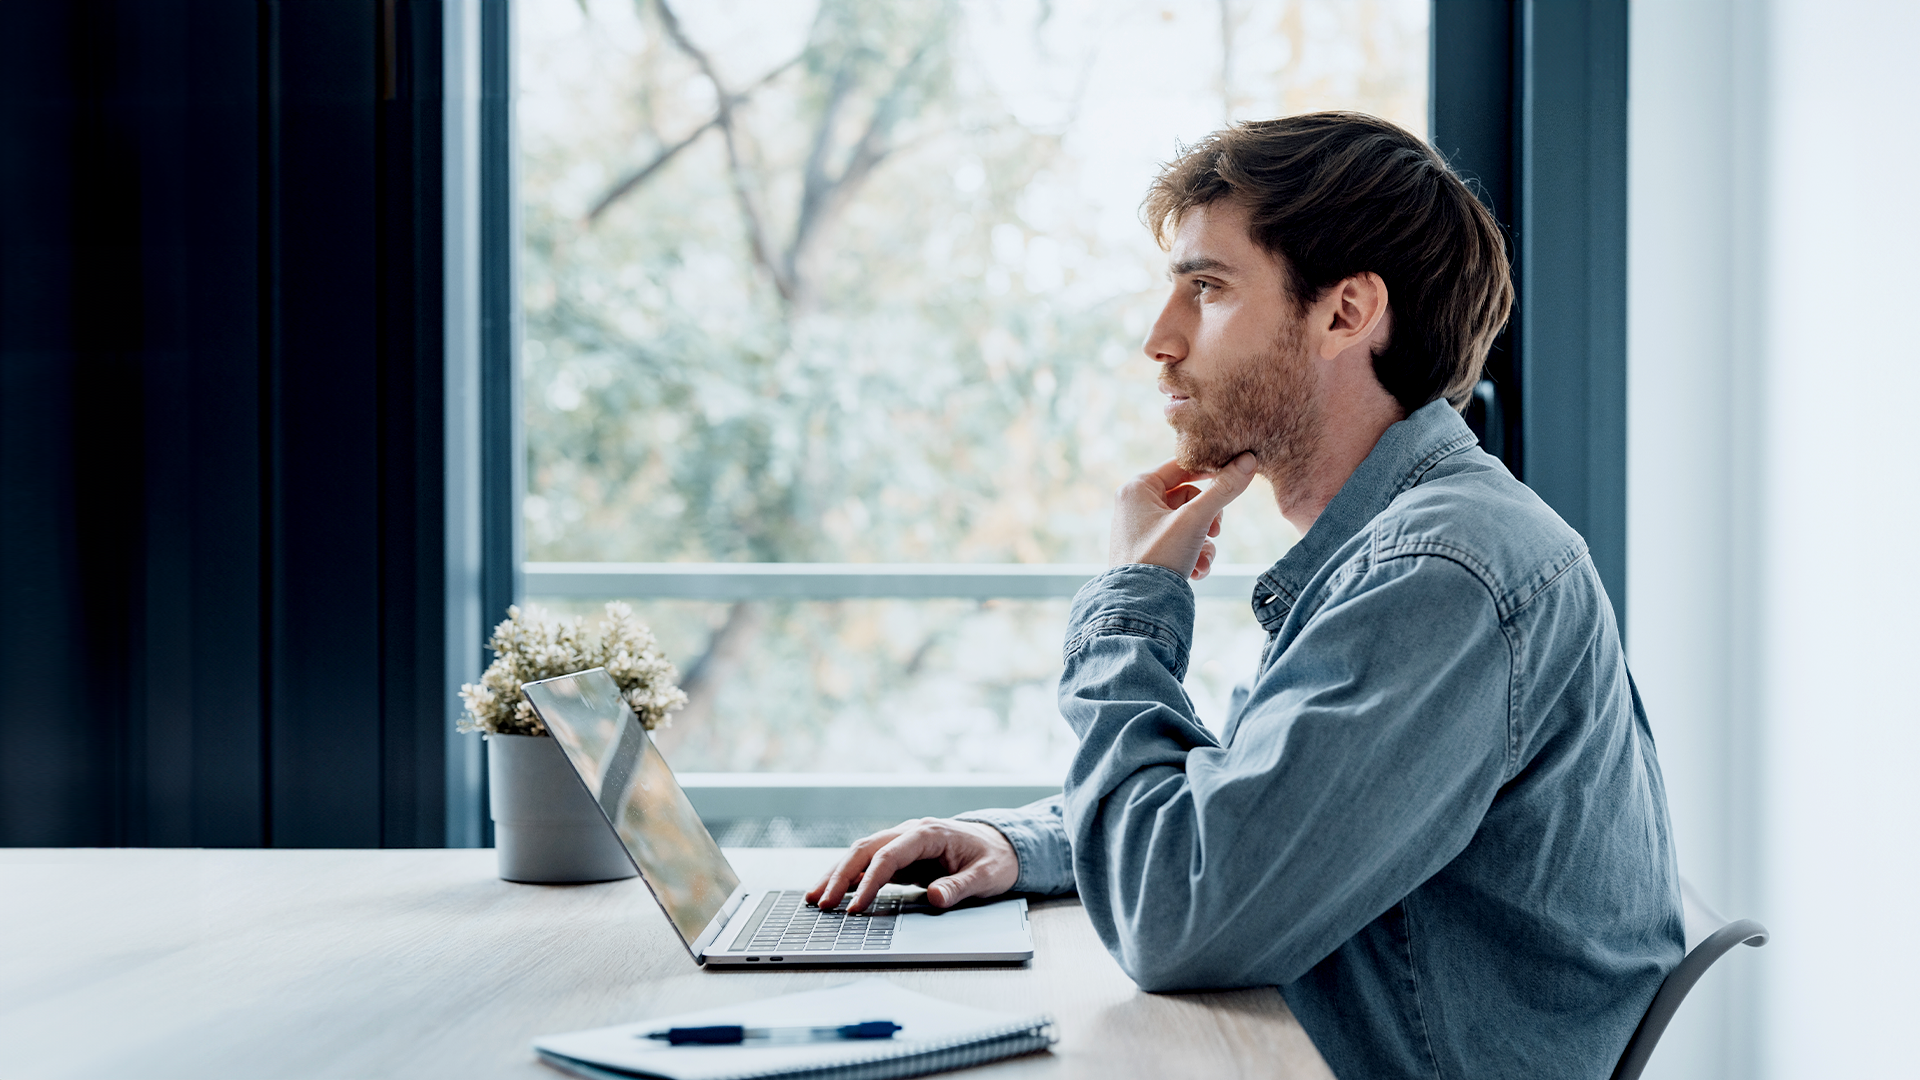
(725, 1034)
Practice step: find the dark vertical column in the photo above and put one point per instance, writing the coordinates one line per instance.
(268, 402)
(111, 316)
(1572, 269)
(412, 395)
(356, 730)
(502, 443)
(1472, 123)
(57, 785)
(129, 444)
(128, 479)
(325, 720)
(219, 220)
(221, 429)
(1529, 102)
(150, 89)
(183, 85)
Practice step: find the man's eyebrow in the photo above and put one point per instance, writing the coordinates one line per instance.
(1195, 266)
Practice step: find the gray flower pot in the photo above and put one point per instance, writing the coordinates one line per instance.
(545, 825)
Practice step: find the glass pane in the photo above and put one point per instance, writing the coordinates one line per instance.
(884, 306)
(887, 305)
(893, 685)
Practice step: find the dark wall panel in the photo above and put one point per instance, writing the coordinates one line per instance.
(53, 752)
(413, 394)
(222, 208)
(151, 99)
(1573, 269)
(325, 731)
(1473, 124)
(1530, 102)
(220, 424)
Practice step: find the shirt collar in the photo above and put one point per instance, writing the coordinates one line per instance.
(1404, 454)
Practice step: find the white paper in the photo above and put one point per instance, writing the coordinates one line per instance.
(925, 1022)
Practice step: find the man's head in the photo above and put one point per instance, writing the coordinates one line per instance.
(1233, 346)
(1346, 209)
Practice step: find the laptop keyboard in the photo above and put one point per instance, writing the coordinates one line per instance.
(785, 923)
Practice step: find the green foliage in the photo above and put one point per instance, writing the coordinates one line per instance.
(805, 357)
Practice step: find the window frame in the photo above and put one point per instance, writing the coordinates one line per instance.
(1527, 98)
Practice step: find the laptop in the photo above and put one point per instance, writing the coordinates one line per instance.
(720, 921)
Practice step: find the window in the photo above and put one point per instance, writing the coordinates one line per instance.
(831, 350)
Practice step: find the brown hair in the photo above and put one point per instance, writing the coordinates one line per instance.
(1336, 194)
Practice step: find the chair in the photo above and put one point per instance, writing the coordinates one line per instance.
(1709, 937)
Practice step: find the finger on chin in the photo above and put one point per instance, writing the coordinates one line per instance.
(1177, 497)
(1171, 473)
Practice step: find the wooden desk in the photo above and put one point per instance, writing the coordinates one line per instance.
(262, 964)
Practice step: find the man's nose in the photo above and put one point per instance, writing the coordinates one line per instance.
(1166, 340)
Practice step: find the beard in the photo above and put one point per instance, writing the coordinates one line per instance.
(1260, 403)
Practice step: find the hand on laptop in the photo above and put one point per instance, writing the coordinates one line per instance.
(954, 859)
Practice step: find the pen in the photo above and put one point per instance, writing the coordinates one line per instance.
(721, 1034)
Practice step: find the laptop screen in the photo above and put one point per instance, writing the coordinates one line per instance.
(631, 782)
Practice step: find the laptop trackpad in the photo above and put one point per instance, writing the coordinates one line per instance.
(992, 927)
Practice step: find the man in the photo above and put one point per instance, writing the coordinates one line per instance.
(1434, 817)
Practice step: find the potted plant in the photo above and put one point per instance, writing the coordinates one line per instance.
(546, 826)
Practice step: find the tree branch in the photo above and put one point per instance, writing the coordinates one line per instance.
(756, 231)
(814, 177)
(821, 196)
(727, 649)
(645, 172)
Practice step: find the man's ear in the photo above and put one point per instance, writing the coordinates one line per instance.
(1354, 312)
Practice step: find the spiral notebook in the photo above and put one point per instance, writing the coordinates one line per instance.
(935, 1035)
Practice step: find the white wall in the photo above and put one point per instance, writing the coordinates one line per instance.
(1693, 377)
(1774, 254)
(1843, 636)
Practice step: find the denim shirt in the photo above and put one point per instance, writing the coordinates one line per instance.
(1433, 818)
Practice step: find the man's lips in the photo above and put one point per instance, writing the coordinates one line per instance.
(1175, 398)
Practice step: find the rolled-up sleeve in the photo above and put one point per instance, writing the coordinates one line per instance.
(1363, 760)
(1038, 834)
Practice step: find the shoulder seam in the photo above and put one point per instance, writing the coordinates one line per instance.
(1507, 605)
(1581, 554)
(1459, 556)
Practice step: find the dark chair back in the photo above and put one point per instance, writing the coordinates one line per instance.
(1709, 937)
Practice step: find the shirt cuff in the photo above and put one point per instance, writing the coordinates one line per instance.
(1137, 600)
(1038, 834)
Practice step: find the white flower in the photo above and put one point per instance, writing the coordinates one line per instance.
(530, 645)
